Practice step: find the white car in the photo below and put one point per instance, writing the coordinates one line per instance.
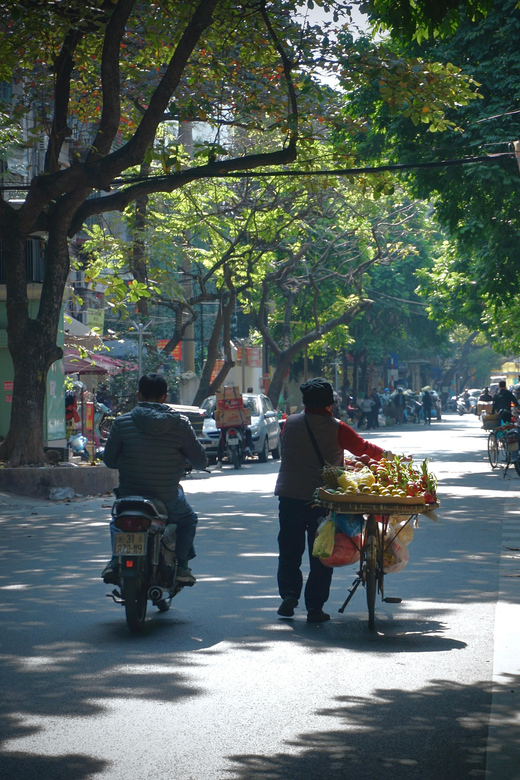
(264, 428)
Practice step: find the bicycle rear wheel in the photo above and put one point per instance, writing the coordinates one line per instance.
(493, 449)
(370, 565)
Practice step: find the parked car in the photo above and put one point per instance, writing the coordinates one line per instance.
(264, 428)
(196, 416)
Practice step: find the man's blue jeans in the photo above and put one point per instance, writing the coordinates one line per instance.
(180, 513)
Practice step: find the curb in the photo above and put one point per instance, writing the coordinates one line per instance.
(37, 482)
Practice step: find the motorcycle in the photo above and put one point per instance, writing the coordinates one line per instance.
(144, 543)
(464, 405)
(233, 444)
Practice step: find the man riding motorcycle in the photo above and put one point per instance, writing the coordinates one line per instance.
(149, 447)
(503, 401)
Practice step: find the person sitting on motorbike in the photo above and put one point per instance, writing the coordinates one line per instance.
(502, 402)
(485, 395)
(149, 446)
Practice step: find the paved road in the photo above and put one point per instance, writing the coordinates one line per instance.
(219, 687)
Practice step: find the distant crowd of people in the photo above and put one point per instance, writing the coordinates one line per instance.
(400, 406)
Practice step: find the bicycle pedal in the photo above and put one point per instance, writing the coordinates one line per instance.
(392, 600)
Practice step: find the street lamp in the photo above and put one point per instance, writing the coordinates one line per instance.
(140, 330)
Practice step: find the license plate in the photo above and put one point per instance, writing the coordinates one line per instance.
(130, 544)
(232, 440)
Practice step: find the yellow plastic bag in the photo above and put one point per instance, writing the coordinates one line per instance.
(324, 541)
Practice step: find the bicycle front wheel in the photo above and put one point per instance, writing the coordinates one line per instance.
(493, 449)
(371, 568)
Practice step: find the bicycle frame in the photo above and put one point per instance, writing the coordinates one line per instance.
(371, 563)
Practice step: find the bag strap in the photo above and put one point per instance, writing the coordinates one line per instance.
(314, 443)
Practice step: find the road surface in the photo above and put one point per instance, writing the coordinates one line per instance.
(221, 688)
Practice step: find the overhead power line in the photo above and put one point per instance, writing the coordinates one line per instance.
(338, 171)
(326, 172)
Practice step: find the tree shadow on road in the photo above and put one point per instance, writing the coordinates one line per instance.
(393, 734)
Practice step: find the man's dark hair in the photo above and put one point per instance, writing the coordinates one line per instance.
(502, 383)
(152, 386)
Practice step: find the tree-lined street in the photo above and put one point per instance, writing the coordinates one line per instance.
(220, 687)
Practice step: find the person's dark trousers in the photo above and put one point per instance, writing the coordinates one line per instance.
(373, 420)
(298, 519)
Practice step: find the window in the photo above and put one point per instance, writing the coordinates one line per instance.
(5, 90)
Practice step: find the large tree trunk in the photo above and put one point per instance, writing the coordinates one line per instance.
(280, 372)
(33, 348)
(222, 323)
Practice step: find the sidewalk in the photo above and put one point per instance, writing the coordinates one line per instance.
(503, 748)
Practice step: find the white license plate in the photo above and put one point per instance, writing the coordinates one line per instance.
(232, 440)
(130, 544)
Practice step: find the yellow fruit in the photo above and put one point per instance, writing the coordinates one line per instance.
(346, 481)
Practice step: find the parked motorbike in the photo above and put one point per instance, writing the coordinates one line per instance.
(144, 542)
(233, 444)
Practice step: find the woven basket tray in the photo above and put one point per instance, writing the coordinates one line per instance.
(363, 503)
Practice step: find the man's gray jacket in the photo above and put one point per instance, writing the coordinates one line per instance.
(150, 446)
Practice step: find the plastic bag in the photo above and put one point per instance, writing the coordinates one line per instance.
(61, 493)
(324, 541)
(351, 525)
(346, 550)
(403, 529)
(396, 554)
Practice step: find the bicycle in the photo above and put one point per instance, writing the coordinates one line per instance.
(375, 544)
(502, 446)
(372, 564)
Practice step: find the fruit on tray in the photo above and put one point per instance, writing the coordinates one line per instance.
(397, 478)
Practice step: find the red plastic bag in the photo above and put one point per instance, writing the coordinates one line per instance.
(345, 552)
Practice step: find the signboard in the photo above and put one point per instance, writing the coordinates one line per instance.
(8, 387)
(254, 357)
(96, 319)
(9, 399)
(89, 419)
(216, 368)
(176, 353)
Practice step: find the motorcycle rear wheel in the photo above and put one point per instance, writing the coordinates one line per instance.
(236, 457)
(136, 601)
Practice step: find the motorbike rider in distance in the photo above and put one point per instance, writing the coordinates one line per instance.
(149, 446)
(502, 402)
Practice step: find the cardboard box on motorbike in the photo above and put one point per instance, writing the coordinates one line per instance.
(226, 417)
(230, 408)
(229, 391)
